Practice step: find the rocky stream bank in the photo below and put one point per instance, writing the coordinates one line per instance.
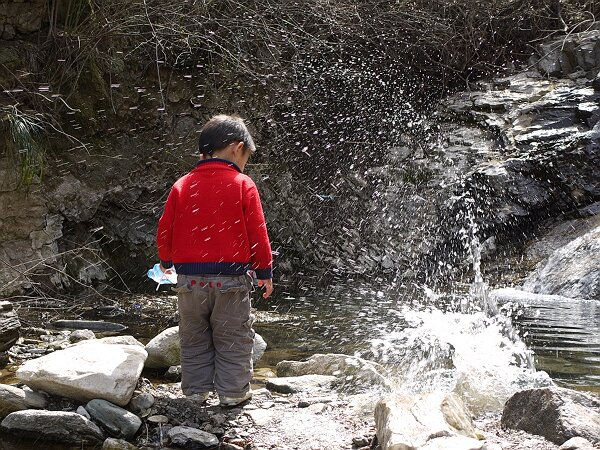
(89, 392)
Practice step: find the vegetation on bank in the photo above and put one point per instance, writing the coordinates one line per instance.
(337, 62)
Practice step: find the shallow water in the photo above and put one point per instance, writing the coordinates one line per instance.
(565, 338)
(425, 339)
(428, 341)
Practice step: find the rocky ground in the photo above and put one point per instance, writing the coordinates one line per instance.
(287, 422)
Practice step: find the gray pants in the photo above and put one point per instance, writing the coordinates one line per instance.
(216, 334)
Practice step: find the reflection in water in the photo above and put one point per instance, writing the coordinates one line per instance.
(563, 333)
(428, 340)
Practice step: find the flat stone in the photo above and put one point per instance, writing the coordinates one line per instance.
(355, 372)
(159, 418)
(121, 340)
(192, 438)
(304, 383)
(14, 399)
(53, 426)
(260, 417)
(117, 421)
(87, 371)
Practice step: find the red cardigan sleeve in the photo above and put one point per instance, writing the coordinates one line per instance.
(261, 258)
(164, 234)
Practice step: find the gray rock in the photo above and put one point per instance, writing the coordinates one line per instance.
(303, 383)
(596, 82)
(164, 349)
(571, 271)
(555, 413)
(192, 438)
(9, 326)
(82, 411)
(355, 373)
(577, 443)
(81, 335)
(117, 421)
(87, 371)
(173, 373)
(53, 426)
(407, 422)
(141, 402)
(14, 399)
(117, 444)
(259, 348)
(97, 325)
(260, 417)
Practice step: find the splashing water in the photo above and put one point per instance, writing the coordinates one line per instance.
(472, 350)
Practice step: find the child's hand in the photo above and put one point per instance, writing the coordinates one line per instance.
(167, 271)
(268, 284)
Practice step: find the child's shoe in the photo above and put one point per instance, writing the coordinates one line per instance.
(233, 401)
(202, 397)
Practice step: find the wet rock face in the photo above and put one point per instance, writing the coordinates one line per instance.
(555, 413)
(542, 160)
(521, 148)
(9, 326)
(571, 271)
(563, 56)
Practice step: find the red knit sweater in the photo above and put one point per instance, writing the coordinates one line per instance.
(213, 223)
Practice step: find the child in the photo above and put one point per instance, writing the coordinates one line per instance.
(213, 232)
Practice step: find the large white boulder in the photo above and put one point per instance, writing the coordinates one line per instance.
(406, 422)
(164, 349)
(87, 371)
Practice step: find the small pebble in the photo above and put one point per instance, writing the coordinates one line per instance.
(361, 441)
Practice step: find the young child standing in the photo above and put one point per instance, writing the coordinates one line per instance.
(213, 232)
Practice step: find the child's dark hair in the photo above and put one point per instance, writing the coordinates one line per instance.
(222, 130)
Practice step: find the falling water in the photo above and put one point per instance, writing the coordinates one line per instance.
(462, 343)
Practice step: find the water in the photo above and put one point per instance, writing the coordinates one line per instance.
(424, 339)
(562, 333)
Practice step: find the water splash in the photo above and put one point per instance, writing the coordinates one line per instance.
(463, 344)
